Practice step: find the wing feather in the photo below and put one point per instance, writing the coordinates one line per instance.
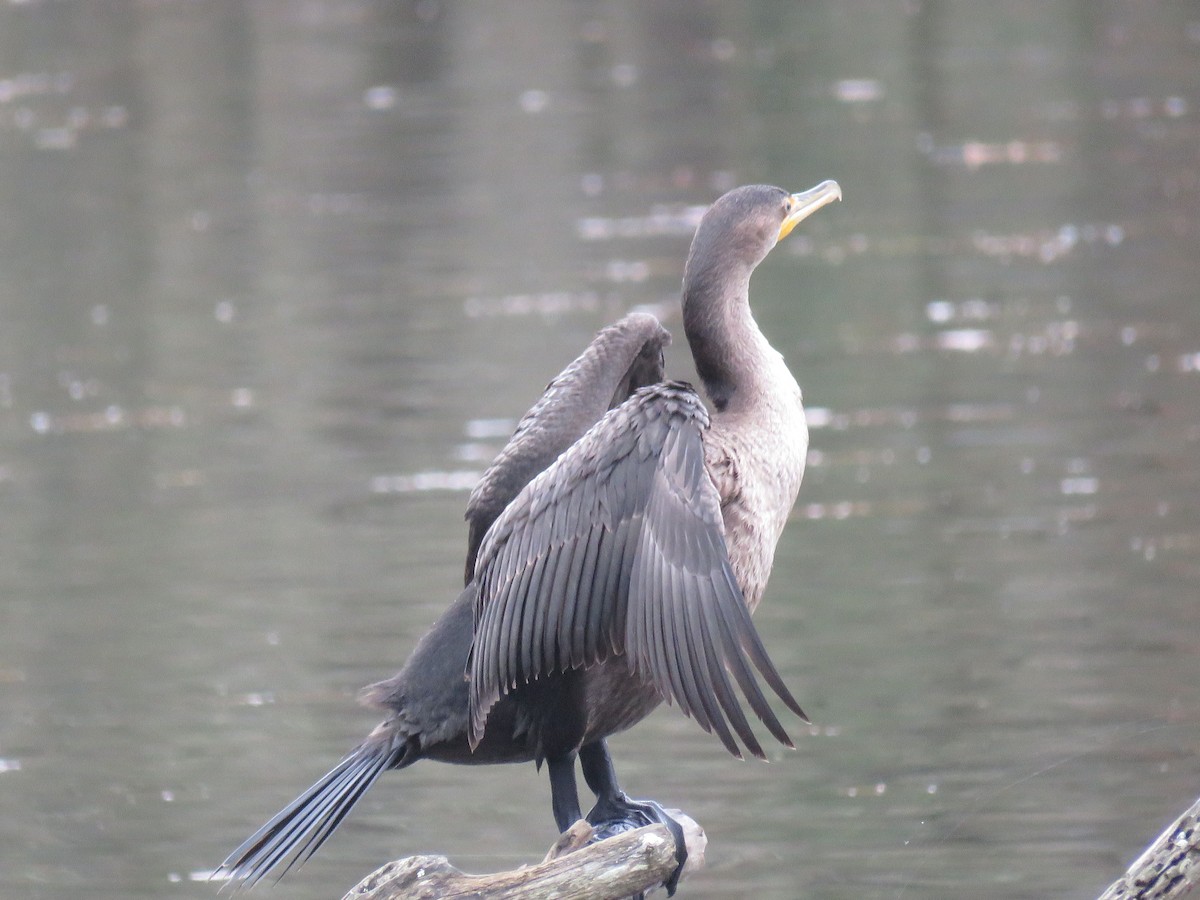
(688, 661)
(736, 662)
(573, 637)
(534, 616)
(670, 599)
(618, 548)
(564, 590)
(700, 670)
(625, 538)
(718, 679)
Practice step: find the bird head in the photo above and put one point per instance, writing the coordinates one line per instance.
(743, 225)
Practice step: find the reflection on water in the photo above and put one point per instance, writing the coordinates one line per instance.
(276, 280)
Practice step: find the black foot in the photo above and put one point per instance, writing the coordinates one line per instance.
(613, 815)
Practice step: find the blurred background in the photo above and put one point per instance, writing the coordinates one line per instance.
(276, 279)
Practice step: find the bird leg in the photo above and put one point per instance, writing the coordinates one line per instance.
(564, 797)
(614, 812)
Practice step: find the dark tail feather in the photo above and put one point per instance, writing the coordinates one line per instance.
(297, 831)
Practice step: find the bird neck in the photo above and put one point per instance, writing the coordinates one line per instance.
(732, 356)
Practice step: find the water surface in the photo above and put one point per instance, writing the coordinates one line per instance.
(276, 279)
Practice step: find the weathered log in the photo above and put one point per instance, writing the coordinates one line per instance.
(612, 869)
(1169, 868)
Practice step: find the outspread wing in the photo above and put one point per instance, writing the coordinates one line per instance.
(619, 548)
(620, 359)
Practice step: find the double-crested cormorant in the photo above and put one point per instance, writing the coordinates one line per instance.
(617, 547)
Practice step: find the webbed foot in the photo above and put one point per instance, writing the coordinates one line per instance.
(618, 813)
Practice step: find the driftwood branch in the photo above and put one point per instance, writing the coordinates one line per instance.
(640, 860)
(618, 867)
(1169, 868)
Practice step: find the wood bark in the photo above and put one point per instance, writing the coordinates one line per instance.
(1169, 868)
(612, 869)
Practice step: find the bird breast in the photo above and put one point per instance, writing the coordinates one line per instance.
(757, 464)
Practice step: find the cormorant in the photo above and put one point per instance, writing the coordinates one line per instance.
(617, 548)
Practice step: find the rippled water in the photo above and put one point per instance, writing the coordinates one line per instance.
(276, 280)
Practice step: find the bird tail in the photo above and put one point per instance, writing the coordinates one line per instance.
(300, 828)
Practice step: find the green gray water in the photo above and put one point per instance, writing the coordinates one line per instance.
(270, 273)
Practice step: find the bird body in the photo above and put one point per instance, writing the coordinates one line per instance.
(618, 551)
(617, 547)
